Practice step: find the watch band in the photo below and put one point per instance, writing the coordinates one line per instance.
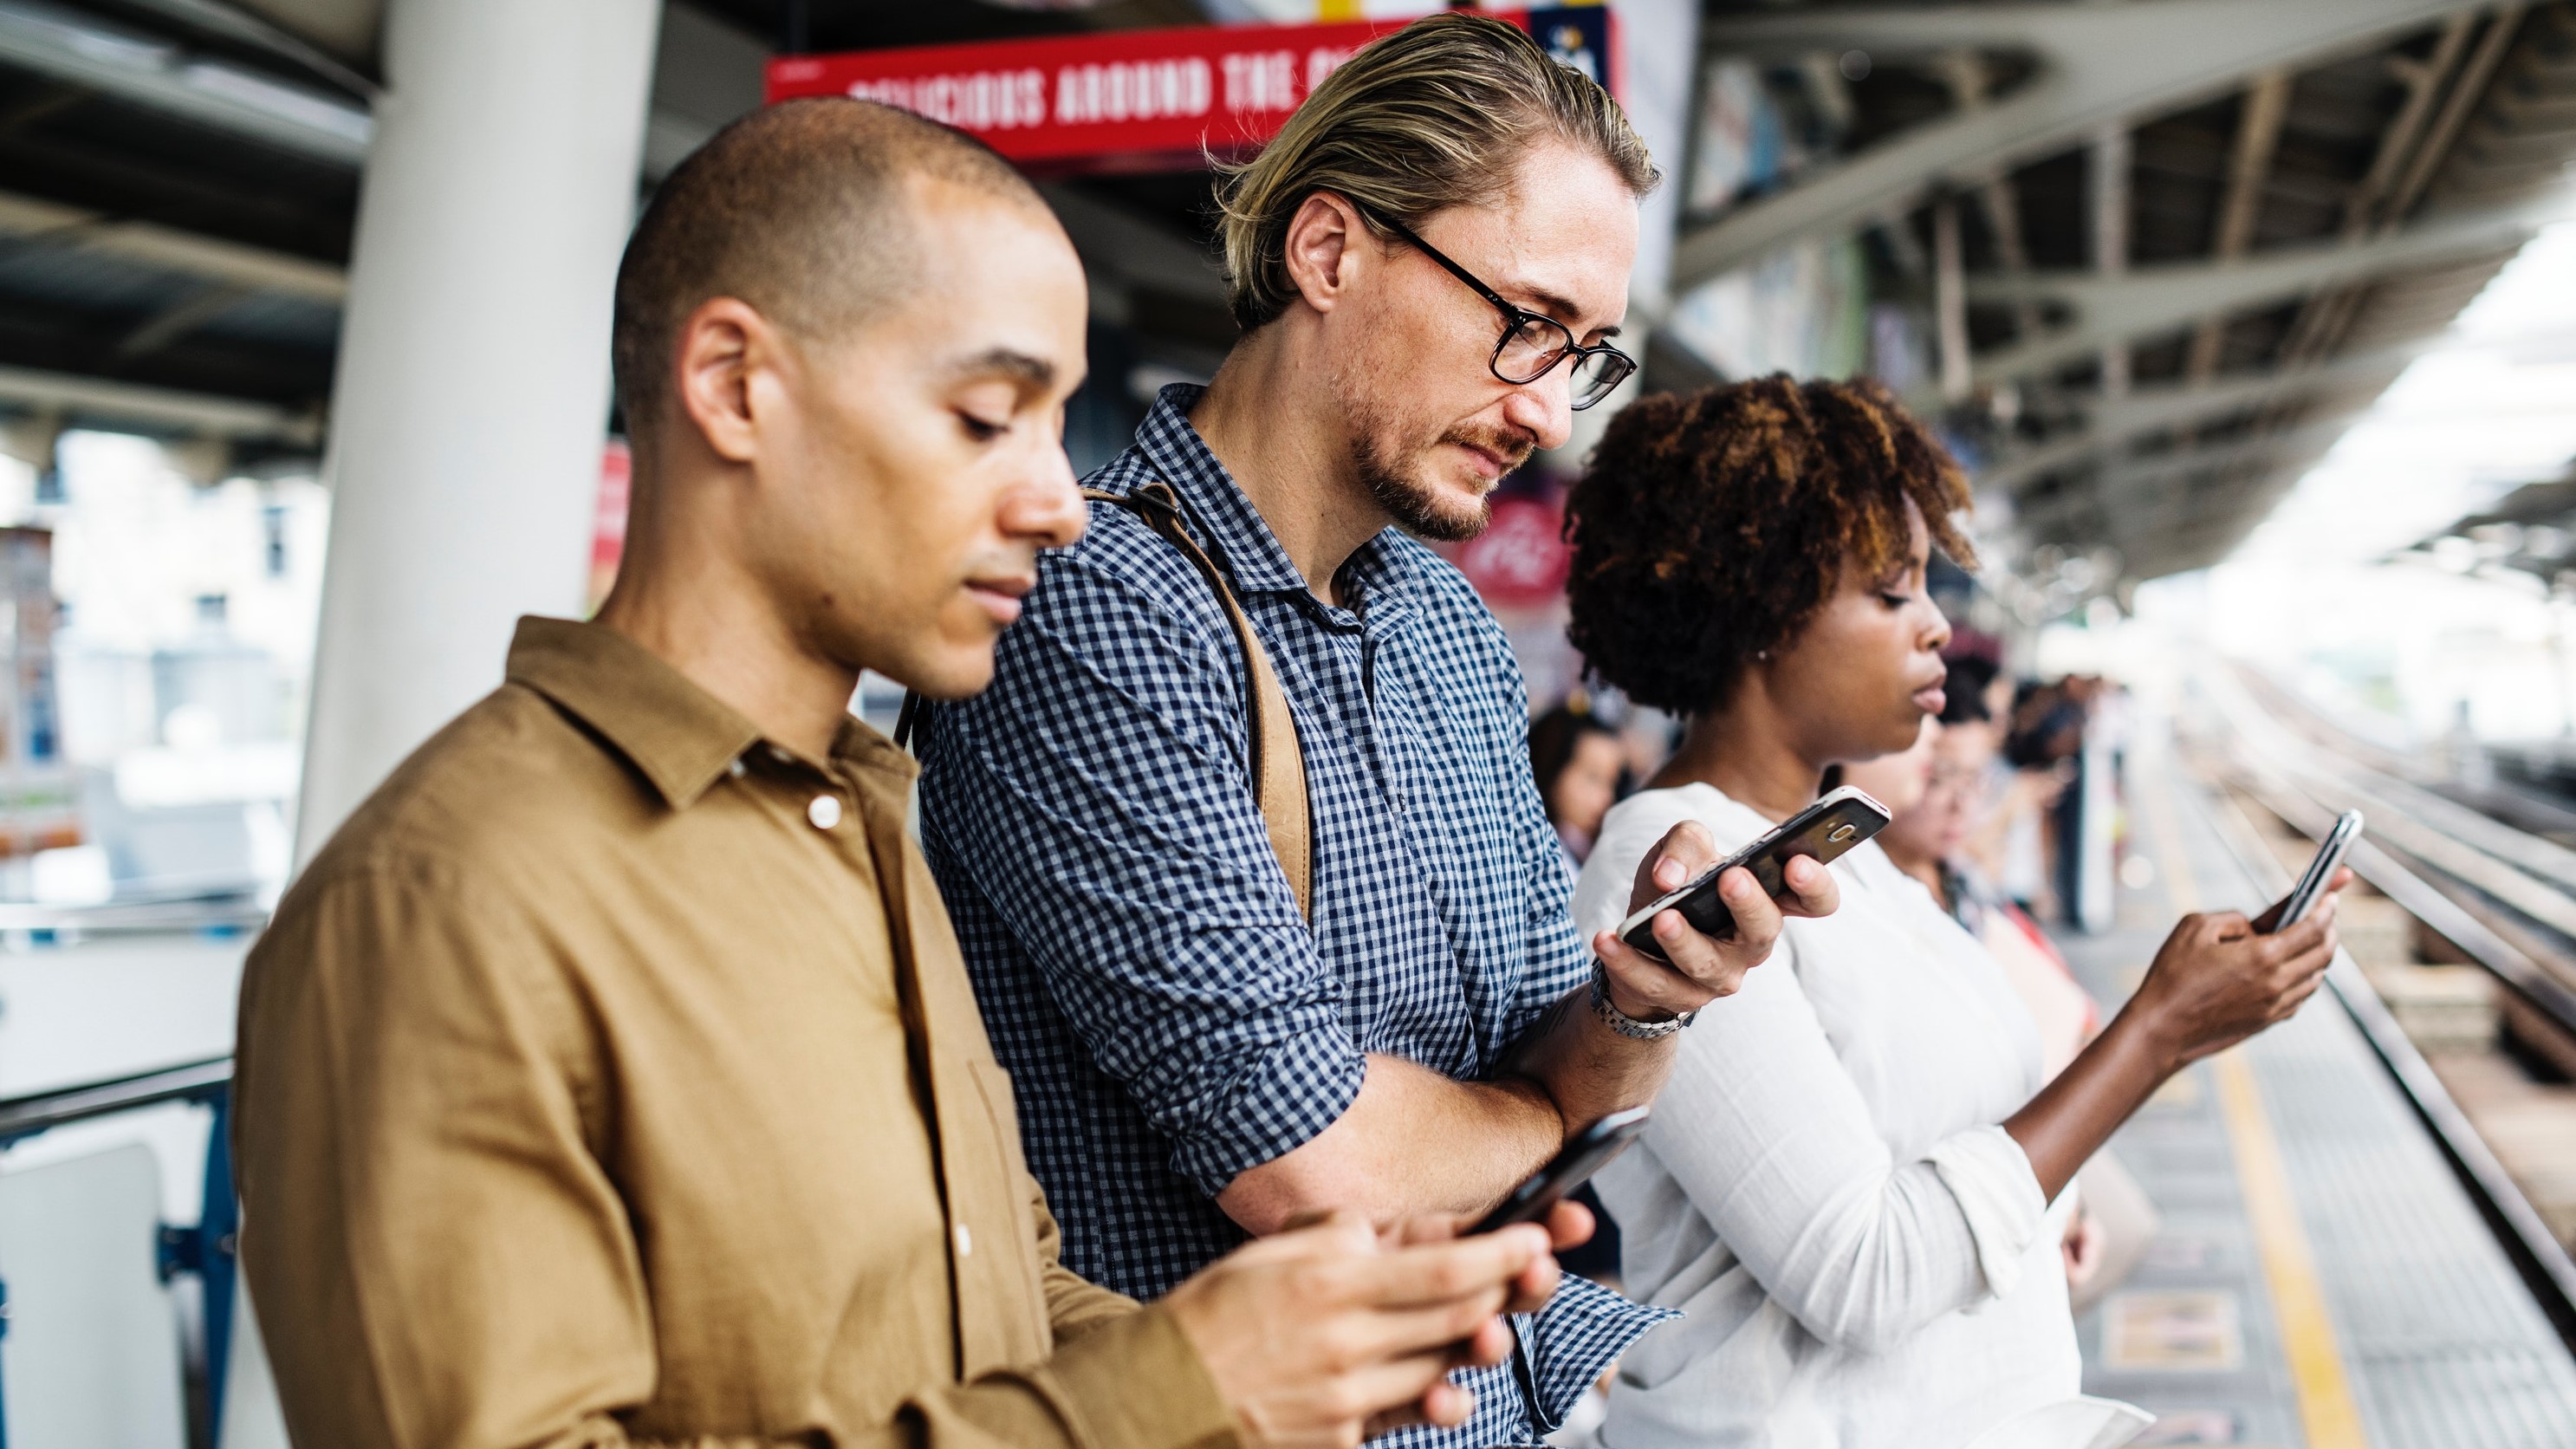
(1620, 1021)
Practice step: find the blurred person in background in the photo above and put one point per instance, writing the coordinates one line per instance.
(1580, 762)
(2044, 745)
(1847, 1185)
(611, 1078)
(2008, 841)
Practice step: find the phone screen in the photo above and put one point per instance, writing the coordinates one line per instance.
(2303, 897)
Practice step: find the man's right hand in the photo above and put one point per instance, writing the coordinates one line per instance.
(1322, 1335)
(1698, 969)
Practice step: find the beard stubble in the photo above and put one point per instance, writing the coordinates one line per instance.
(1417, 507)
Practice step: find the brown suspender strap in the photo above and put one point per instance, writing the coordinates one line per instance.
(1278, 761)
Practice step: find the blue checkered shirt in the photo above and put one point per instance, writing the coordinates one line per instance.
(1167, 1016)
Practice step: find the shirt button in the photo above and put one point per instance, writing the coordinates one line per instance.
(736, 768)
(824, 811)
(965, 1241)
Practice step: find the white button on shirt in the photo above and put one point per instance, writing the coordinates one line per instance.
(1826, 1189)
(824, 811)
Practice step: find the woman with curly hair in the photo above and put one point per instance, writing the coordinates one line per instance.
(1848, 1183)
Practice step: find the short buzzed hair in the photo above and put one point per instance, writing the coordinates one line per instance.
(799, 211)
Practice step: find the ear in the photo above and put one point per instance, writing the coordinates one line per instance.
(1323, 247)
(722, 347)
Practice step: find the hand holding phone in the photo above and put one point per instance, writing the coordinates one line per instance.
(1822, 831)
(2311, 888)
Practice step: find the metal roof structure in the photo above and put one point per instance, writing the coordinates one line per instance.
(2169, 247)
(2162, 250)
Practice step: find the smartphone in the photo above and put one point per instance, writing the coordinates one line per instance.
(1590, 1150)
(1823, 830)
(2312, 885)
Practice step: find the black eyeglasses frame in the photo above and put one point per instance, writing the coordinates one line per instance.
(1620, 368)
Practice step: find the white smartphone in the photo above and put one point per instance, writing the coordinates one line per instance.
(2312, 885)
(1824, 830)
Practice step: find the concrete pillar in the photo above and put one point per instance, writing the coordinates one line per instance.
(472, 396)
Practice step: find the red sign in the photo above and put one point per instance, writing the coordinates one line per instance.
(1521, 558)
(1133, 94)
(608, 520)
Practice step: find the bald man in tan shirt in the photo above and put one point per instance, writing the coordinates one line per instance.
(611, 1076)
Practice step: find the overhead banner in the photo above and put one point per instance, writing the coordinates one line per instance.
(1139, 99)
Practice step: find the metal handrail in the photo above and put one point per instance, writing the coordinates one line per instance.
(37, 1111)
(135, 916)
(2434, 876)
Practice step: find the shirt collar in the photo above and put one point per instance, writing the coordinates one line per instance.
(1225, 520)
(680, 737)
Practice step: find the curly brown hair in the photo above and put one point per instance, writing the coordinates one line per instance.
(1711, 527)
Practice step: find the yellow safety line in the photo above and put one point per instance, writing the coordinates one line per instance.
(2326, 1410)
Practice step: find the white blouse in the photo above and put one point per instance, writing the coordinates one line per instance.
(1864, 1255)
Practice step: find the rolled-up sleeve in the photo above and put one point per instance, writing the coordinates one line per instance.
(1098, 797)
(1778, 1152)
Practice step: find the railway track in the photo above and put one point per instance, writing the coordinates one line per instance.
(2504, 897)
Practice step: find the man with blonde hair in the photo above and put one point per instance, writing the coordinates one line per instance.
(1234, 992)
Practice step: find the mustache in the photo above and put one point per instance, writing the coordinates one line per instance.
(1509, 444)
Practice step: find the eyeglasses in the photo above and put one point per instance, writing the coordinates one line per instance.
(1532, 343)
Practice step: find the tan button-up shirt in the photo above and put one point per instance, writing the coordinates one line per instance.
(611, 1077)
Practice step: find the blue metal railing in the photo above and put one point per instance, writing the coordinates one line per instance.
(207, 1248)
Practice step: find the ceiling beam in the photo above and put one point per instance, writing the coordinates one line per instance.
(2143, 479)
(351, 30)
(706, 73)
(2308, 440)
(2147, 301)
(132, 65)
(28, 222)
(181, 318)
(2098, 65)
(294, 34)
(2111, 423)
(91, 399)
(2258, 135)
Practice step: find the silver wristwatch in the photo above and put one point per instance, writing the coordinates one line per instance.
(1620, 1021)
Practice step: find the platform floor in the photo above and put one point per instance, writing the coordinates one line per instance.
(2320, 1279)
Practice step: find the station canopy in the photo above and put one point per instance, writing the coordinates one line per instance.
(2146, 260)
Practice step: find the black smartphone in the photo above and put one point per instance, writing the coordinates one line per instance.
(1825, 830)
(1588, 1152)
(2303, 897)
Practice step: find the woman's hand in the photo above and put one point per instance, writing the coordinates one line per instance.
(1699, 969)
(2217, 980)
(2220, 978)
